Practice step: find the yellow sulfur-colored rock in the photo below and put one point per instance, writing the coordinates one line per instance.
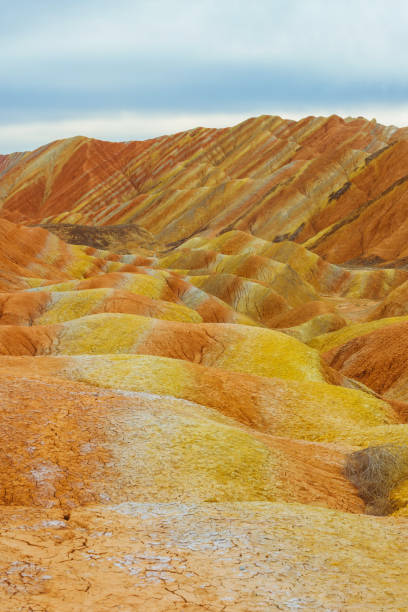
(238, 348)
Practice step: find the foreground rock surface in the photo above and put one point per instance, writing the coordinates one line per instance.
(217, 557)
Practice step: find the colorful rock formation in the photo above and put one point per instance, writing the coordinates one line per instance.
(203, 371)
(334, 178)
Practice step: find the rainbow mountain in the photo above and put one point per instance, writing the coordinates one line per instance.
(204, 374)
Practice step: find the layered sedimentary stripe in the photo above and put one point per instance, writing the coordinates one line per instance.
(308, 180)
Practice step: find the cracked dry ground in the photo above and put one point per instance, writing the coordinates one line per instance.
(177, 410)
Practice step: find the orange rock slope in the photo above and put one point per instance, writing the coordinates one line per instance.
(209, 412)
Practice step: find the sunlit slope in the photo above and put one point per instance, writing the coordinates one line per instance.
(293, 408)
(236, 347)
(47, 307)
(102, 446)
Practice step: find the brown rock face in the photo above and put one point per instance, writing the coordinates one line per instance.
(203, 371)
(114, 238)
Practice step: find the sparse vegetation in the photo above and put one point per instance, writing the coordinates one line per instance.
(375, 471)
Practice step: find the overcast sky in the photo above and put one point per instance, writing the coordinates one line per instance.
(132, 69)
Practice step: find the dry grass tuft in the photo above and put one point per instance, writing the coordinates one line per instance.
(375, 471)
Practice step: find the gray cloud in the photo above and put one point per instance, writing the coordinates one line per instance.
(62, 61)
